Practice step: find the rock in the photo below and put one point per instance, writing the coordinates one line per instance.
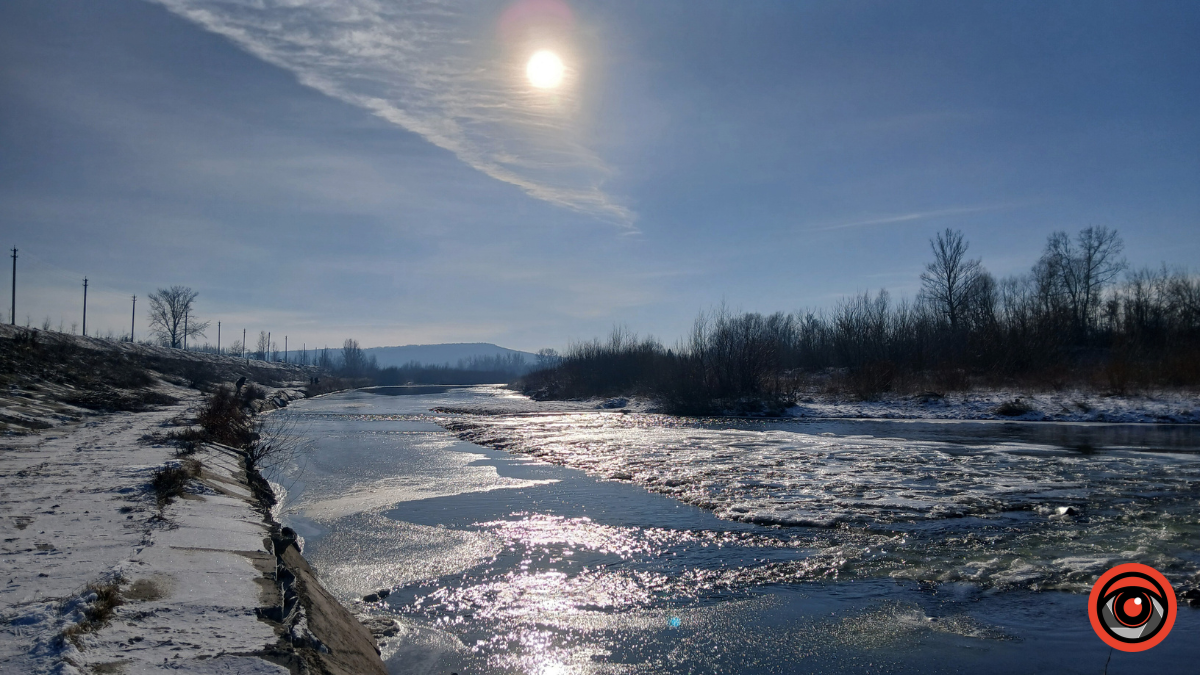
(1066, 511)
(371, 597)
(614, 403)
(381, 627)
(383, 593)
(287, 537)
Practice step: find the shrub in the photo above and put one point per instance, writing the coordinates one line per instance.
(170, 481)
(1013, 408)
(224, 420)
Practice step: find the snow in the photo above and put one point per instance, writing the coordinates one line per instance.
(1057, 406)
(77, 510)
(1068, 405)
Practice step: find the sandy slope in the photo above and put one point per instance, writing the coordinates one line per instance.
(75, 509)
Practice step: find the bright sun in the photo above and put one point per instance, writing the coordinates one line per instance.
(545, 70)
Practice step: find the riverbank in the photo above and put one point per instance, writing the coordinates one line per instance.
(108, 568)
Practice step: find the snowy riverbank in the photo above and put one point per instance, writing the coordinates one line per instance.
(101, 573)
(78, 516)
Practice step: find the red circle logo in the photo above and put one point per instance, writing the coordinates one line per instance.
(1132, 607)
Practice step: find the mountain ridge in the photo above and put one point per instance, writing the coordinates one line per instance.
(441, 354)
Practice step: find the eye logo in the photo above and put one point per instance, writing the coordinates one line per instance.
(1132, 607)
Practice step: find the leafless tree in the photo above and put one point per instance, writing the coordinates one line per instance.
(263, 346)
(951, 279)
(547, 358)
(354, 361)
(1078, 271)
(279, 444)
(168, 307)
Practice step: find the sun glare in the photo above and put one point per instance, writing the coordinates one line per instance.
(545, 70)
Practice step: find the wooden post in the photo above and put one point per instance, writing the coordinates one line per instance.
(132, 317)
(85, 306)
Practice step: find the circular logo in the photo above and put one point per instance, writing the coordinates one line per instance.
(1132, 607)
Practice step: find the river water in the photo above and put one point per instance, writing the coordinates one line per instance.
(602, 542)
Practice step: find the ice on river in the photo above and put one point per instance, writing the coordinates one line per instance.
(1002, 513)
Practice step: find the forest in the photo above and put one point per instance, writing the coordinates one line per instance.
(1080, 317)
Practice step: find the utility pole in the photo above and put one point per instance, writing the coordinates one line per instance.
(244, 345)
(285, 349)
(267, 356)
(85, 307)
(13, 318)
(185, 327)
(132, 317)
(218, 337)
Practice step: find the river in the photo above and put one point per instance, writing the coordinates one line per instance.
(602, 542)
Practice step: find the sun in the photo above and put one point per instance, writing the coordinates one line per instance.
(545, 70)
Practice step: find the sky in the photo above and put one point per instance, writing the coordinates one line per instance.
(385, 170)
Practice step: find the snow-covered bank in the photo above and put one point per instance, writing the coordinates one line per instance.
(100, 575)
(78, 515)
(1177, 407)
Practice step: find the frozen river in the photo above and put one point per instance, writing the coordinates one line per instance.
(601, 542)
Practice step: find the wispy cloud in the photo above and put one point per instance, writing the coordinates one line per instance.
(912, 217)
(429, 67)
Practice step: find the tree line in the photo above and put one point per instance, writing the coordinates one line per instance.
(1078, 317)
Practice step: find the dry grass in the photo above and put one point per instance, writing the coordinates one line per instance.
(99, 611)
(170, 481)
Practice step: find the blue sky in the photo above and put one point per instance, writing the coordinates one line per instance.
(382, 170)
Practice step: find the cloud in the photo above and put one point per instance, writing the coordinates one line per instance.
(432, 68)
(912, 217)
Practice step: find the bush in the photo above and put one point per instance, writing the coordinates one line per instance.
(252, 392)
(1014, 408)
(169, 481)
(224, 420)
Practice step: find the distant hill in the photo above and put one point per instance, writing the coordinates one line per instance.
(440, 355)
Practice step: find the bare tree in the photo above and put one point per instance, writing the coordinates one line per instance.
(263, 346)
(1078, 271)
(279, 445)
(547, 358)
(354, 360)
(951, 279)
(168, 307)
